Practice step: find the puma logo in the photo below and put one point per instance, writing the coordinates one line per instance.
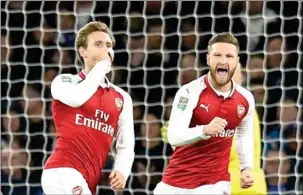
(206, 107)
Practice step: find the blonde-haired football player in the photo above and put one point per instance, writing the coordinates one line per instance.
(89, 113)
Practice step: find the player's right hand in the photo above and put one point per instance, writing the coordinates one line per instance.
(216, 126)
(105, 55)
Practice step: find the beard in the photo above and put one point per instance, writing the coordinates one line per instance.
(221, 81)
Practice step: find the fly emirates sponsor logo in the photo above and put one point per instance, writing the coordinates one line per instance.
(96, 123)
(226, 133)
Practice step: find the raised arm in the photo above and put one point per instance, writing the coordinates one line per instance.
(65, 87)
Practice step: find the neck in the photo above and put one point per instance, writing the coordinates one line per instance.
(222, 88)
(87, 69)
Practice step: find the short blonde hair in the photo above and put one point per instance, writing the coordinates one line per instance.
(81, 39)
(224, 38)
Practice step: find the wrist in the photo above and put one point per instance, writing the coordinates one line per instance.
(203, 134)
(246, 169)
(105, 65)
(205, 131)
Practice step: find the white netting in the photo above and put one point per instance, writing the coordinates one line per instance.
(160, 46)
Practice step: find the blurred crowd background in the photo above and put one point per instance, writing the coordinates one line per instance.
(160, 46)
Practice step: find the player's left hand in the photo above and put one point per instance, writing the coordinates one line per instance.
(246, 178)
(117, 180)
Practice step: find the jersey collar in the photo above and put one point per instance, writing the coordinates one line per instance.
(104, 84)
(208, 84)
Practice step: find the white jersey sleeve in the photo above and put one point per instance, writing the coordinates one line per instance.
(67, 89)
(125, 141)
(184, 103)
(244, 140)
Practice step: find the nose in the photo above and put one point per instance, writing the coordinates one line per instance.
(223, 60)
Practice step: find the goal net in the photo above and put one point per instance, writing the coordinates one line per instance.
(160, 46)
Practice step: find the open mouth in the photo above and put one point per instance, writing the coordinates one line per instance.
(222, 72)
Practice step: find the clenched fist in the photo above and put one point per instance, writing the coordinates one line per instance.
(246, 178)
(216, 126)
(117, 180)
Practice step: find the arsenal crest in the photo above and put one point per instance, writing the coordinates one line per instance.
(77, 190)
(241, 110)
(119, 103)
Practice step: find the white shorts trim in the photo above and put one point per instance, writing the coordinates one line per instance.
(64, 181)
(221, 187)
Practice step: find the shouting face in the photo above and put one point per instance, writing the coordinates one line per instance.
(222, 59)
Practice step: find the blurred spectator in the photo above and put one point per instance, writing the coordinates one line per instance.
(258, 91)
(146, 76)
(193, 37)
(256, 68)
(48, 77)
(168, 106)
(35, 110)
(150, 170)
(12, 74)
(13, 124)
(15, 172)
(190, 68)
(276, 53)
(84, 10)
(41, 50)
(281, 79)
(66, 26)
(189, 35)
(277, 168)
(154, 7)
(292, 144)
(287, 114)
(256, 25)
(6, 51)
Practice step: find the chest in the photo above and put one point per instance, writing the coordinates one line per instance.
(209, 106)
(105, 105)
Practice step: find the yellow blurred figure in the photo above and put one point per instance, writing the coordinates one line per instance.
(259, 186)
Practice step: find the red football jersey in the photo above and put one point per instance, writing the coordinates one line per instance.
(85, 133)
(201, 160)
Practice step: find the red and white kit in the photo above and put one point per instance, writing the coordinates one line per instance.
(199, 164)
(89, 112)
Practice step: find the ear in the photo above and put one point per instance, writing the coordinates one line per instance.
(207, 59)
(82, 52)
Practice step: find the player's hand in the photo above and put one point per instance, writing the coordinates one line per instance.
(117, 180)
(246, 178)
(216, 126)
(104, 55)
